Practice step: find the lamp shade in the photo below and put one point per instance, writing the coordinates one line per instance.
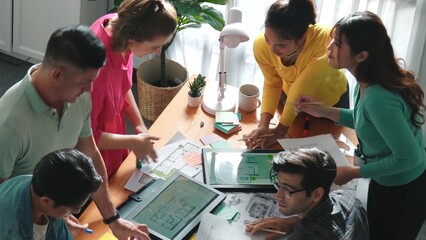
(233, 34)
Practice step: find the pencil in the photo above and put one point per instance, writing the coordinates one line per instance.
(273, 231)
(261, 136)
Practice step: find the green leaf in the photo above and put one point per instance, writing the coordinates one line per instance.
(187, 8)
(213, 17)
(193, 11)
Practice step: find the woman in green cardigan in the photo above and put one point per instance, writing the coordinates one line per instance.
(387, 118)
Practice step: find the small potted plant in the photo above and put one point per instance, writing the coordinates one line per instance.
(195, 90)
(202, 81)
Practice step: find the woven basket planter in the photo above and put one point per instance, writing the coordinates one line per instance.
(152, 99)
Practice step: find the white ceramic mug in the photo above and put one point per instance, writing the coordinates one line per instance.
(248, 99)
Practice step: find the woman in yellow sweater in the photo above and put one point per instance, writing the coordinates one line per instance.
(292, 56)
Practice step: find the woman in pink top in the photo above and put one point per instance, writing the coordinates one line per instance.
(139, 27)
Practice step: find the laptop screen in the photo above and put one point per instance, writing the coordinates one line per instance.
(176, 206)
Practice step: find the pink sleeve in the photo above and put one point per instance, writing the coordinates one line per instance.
(98, 99)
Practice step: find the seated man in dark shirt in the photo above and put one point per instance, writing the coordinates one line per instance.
(303, 178)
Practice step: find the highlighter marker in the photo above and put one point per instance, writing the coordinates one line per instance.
(305, 131)
(88, 230)
(139, 164)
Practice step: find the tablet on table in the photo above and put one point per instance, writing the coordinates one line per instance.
(172, 208)
(238, 169)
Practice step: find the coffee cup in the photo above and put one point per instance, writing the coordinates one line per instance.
(248, 99)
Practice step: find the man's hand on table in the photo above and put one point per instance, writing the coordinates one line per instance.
(123, 229)
(279, 224)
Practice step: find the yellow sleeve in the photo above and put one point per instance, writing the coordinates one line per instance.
(273, 83)
(319, 80)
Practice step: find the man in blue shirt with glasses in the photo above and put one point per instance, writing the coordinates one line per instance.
(303, 178)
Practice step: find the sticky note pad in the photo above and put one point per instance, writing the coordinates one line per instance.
(223, 144)
(192, 159)
(211, 138)
(225, 117)
(225, 212)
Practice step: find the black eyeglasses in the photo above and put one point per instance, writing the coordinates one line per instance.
(274, 178)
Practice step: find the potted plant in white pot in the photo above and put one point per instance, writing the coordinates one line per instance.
(160, 79)
(196, 90)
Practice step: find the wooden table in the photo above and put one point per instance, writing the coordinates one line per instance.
(178, 116)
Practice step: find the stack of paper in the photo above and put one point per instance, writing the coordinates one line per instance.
(227, 122)
(324, 142)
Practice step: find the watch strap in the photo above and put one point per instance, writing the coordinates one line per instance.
(112, 218)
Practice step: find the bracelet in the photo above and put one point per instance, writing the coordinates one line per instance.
(113, 218)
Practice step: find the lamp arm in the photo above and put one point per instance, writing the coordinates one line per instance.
(222, 73)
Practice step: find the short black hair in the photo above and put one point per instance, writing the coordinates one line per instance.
(317, 167)
(291, 19)
(76, 45)
(66, 176)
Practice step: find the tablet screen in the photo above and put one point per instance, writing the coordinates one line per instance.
(237, 168)
(176, 206)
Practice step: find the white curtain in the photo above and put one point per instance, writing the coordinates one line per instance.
(416, 53)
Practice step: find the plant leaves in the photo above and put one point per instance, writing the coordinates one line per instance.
(196, 85)
(187, 8)
(192, 14)
(213, 17)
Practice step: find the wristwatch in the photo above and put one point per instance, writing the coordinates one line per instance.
(112, 218)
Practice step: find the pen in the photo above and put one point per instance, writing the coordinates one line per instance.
(261, 136)
(88, 230)
(273, 231)
(305, 131)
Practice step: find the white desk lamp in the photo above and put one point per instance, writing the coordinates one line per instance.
(215, 100)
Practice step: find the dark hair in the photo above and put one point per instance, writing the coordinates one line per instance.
(76, 45)
(66, 176)
(317, 167)
(291, 20)
(142, 20)
(365, 31)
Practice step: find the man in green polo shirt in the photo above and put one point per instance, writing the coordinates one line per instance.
(49, 109)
